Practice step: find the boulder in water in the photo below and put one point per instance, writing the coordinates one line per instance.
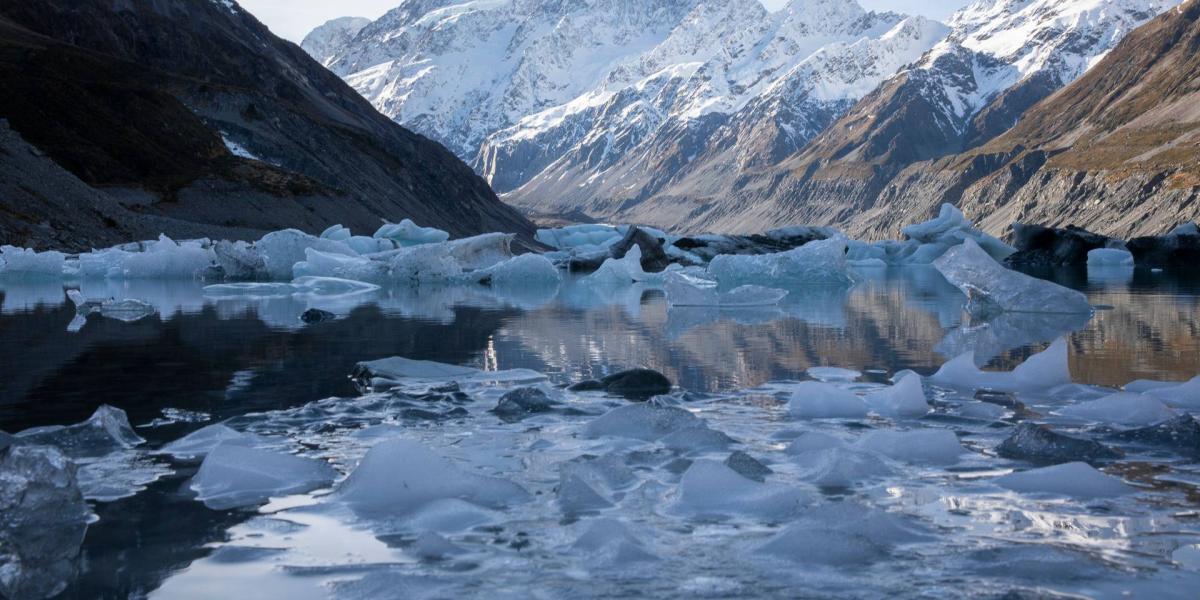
(1181, 434)
(654, 256)
(1179, 249)
(633, 384)
(316, 315)
(1040, 444)
(522, 402)
(1039, 246)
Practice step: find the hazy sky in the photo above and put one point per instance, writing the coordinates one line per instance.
(292, 19)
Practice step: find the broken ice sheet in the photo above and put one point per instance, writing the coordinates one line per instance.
(397, 370)
(991, 288)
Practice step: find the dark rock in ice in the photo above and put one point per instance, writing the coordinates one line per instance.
(108, 430)
(748, 466)
(777, 240)
(43, 519)
(1179, 249)
(316, 315)
(634, 384)
(1181, 434)
(1040, 444)
(522, 402)
(1039, 246)
(654, 257)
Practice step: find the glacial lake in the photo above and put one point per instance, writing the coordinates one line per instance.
(915, 529)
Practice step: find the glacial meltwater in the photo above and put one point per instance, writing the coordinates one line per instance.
(792, 458)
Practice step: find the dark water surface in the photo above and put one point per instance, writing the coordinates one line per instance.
(230, 357)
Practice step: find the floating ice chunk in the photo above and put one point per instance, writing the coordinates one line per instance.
(336, 233)
(645, 421)
(1109, 257)
(865, 254)
(526, 269)
(609, 543)
(1075, 479)
(387, 372)
(234, 475)
(238, 260)
(331, 287)
(167, 259)
(949, 229)
(481, 251)
(842, 534)
(697, 440)
(281, 250)
(44, 519)
(401, 476)
(407, 233)
(341, 266)
(949, 219)
(991, 288)
(832, 374)
(365, 245)
(821, 261)
(906, 399)
(921, 446)
(197, 444)
(1182, 395)
(812, 441)
(587, 483)
(623, 271)
(24, 262)
(814, 400)
(685, 290)
(1043, 370)
(710, 489)
(579, 236)
(839, 467)
(127, 310)
(106, 431)
(431, 546)
(1122, 408)
(1139, 386)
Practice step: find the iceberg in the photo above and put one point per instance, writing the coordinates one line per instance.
(920, 446)
(931, 239)
(991, 288)
(1074, 479)
(27, 263)
(1043, 370)
(238, 261)
(609, 543)
(340, 266)
(686, 290)
(837, 466)
(197, 444)
(233, 475)
(1121, 408)
(576, 237)
(842, 535)
(1109, 257)
(821, 261)
(44, 522)
(407, 233)
(281, 250)
(709, 489)
(402, 477)
(167, 259)
(905, 399)
(106, 431)
(526, 269)
(336, 233)
(1181, 395)
(815, 400)
(646, 422)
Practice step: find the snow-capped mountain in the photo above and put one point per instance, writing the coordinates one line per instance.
(458, 71)
(774, 80)
(326, 40)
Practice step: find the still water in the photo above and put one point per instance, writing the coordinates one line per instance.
(250, 360)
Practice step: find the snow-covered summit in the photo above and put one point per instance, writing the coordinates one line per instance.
(326, 40)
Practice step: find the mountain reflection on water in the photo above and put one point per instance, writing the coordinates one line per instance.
(230, 355)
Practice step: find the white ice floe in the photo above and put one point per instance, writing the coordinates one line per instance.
(579, 236)
(1109, 257)
(281, 250)
(341, 266)
(168, 259)
(643, 421)
(609, 543)
(709, 489)
(526, 269)
(918, 446)
(1182, 395)
(407, 233)
(400, 477)
(234, 475)
(1043, 370)
(992, 288)
(199, 443)
(815, 400)
(812, 441)
(842, 535)
(1122, 408)
(386, 372)
(905, 399)
(1075, 479)
(686, 290)
(23, 262)
(821, 261)
(836, 466)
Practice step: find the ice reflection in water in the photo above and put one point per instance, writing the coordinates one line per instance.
(229, 356)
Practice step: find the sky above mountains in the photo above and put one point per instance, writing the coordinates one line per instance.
(292, 19)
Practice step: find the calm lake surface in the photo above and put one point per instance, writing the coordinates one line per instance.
(250, 360)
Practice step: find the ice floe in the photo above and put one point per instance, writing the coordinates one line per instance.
(818, 262)
(991, 288)
(1076, 479)
(816, 400)
(1043, 370)
(234, 475)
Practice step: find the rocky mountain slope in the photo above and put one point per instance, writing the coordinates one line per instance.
(189, 116)
(885, 162)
